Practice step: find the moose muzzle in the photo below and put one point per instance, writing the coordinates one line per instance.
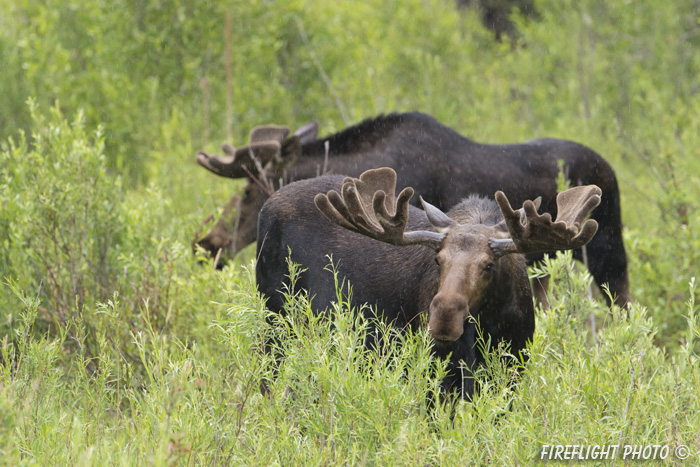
(446, 317)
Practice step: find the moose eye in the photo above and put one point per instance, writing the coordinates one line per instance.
(488, 267)
(437, 261)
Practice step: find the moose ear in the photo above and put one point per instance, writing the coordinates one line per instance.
(307, 133)
(439, 220)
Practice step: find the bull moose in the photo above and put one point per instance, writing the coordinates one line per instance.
(407, 262)
(441, 165)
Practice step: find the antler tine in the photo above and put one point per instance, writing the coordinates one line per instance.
(264, 145)
(366, 206)
(538, 233)
(220, 165)
(240, 162)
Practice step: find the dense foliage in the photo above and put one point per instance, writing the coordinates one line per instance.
(118, 348)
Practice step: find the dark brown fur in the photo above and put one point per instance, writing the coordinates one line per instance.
(443, 166)
(402, 283)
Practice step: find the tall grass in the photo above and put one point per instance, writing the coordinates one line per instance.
(332, 401)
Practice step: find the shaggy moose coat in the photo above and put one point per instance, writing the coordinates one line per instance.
(399, 282)
(442, 166)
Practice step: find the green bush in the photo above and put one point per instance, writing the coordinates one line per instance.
(61, 216)
(102, 262)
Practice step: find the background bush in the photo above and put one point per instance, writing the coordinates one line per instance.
(116, 345)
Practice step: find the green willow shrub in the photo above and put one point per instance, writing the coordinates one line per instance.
(105, 264)
(61, 216)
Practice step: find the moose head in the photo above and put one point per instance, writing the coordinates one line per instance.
(475, 257)
(262, 162)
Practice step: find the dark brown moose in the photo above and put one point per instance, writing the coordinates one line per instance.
(407, 262)
(441, 165)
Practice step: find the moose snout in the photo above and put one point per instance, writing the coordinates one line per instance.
(447, 315)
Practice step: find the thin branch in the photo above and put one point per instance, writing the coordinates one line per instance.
(229, 78)
(206, 92)
(629, 393)
(319, 67)
(257, 181)
(262, 244)
(262, 172)
(326, 147)
(236, 226)
(218, 256)
(582, 79)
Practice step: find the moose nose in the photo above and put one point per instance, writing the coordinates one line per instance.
(447, 315)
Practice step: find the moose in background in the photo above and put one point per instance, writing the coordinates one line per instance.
(441, 165)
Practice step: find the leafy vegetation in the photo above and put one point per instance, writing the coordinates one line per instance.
(118, 348)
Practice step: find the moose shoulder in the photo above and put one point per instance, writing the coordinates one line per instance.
(441, 165)
(408, 262)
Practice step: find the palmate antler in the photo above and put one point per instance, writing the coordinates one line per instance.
(266, 144)
(236, 161)
(367, 206)
(534, 233)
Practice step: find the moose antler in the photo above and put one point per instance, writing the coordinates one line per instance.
(366, 206)
(534, 233)
(268, 133)
(264, 145)
(236, 161)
